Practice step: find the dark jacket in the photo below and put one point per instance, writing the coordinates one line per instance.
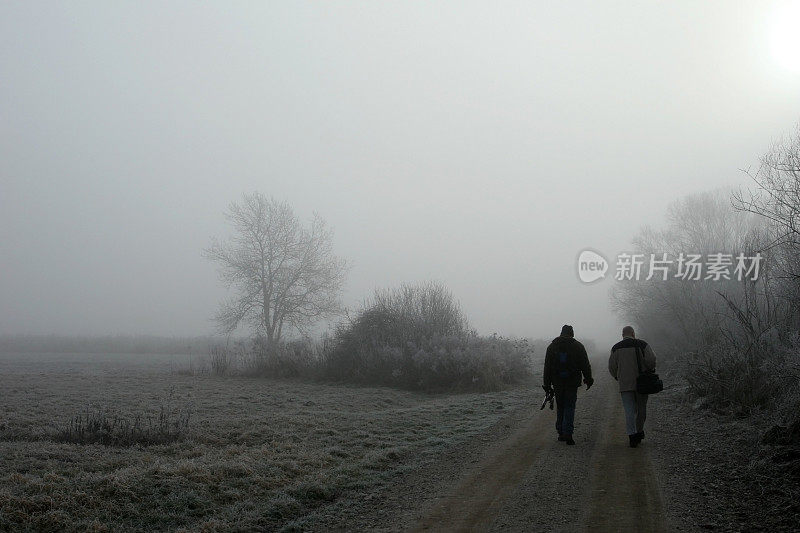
(575, 362)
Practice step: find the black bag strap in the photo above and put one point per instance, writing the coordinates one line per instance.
(638, 363)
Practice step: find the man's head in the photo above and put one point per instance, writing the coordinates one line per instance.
(627, 331)
(567, 331)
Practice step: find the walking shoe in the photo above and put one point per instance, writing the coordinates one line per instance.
(633, 440)
(569, 440)
(641, 436)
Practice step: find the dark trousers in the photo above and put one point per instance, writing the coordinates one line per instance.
(566, 397)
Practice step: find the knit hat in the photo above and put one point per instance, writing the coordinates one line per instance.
(567, 331)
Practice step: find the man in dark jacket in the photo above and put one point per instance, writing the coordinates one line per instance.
(564, 363)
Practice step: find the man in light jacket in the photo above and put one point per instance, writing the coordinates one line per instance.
(627, 357)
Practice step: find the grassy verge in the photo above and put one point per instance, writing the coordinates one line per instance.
(260, 454)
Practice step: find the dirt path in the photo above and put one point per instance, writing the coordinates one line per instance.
(531, 482)
(477, 498)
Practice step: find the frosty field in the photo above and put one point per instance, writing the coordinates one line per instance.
(257, 454)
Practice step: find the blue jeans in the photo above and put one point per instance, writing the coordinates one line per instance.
(635, 405)
(566, 397)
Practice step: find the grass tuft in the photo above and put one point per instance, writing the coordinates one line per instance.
(99, 426)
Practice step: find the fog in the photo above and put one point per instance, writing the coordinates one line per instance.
(480, 146)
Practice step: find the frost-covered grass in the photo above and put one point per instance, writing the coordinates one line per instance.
(258, 454)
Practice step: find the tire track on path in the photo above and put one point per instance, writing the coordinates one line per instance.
(625, 495)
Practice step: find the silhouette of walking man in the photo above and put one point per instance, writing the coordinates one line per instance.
(565, 361)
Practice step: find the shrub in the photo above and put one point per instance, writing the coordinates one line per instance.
(784, 367)
(416, 337)
(222, 360)
(293, 359)
(729, 376)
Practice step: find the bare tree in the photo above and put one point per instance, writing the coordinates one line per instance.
(776, 198)
(777, 193)
(285, 274)
(686, 313)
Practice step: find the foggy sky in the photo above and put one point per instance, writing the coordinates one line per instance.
(481, 146)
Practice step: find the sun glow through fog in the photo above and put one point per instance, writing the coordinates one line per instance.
(785, 36)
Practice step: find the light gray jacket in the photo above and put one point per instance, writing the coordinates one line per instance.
(622, 362)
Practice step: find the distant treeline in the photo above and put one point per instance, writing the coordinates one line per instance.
(109, 344)
(412, 337)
